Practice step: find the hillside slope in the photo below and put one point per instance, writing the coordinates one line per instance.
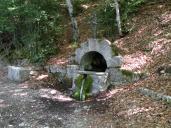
(146, 48)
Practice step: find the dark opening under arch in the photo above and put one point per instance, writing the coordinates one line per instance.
(93, 61)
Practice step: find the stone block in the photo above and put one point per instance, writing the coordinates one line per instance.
(72, 71)
(116, 77)
(55, 69)
(18, 74)
(100, 81)
(115, 61)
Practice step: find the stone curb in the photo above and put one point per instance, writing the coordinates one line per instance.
(154, 95)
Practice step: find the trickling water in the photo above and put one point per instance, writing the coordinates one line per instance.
(81, 90)
(73, 83)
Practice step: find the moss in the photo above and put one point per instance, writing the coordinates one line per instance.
(127, 73)
(115, 50)
(86, 87)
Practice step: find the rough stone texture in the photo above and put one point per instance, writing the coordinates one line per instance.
(18, 74)
(55, 69)
(100, 81)
(101, 46)
(155, 95)
(69, 71)
(115, 61)
(115, 76)
(72, 70)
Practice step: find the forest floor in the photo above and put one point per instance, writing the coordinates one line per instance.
(146, 48)
(121, 107)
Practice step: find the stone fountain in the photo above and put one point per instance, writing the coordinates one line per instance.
(98, 59)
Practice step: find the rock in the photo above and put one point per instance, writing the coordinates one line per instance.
(115, 62)
(53, 92)
(100, 82)
(55, 69)
(72, 70)
(164, 69)
(18, 74)
(154, 95)
(34, 73)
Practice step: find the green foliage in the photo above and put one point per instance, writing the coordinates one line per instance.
(115, 50)
(106, 15)
(87, 85)
(106, 25)
(32, 28)
(77, 6)
(129, 7)
(127, 73)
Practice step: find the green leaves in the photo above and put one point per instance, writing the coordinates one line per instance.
(128, 7)
(34, 26)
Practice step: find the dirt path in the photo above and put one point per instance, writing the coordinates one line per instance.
(22, 107)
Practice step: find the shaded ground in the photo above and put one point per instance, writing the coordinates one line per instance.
(122, 107)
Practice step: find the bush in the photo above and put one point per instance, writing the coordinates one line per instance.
(106, 24)
(32, 28)
(129, 7)
(106, 15)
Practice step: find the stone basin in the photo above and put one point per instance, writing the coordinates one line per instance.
(100, 80)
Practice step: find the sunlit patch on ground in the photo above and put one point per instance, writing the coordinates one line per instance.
(54, 95)
(142, 30)
(166, 17)
(134, 111)
(157, 32)
(2, 104)
(135, 61)
(24, 85)
(159, 46)
(41, 77)
(110, 94)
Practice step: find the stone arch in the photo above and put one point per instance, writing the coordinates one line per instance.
(93, 61)
(103, 47)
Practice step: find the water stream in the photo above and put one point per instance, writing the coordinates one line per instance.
(81, 90)
(73, 83)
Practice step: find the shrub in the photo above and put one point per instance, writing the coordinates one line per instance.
(32, 28)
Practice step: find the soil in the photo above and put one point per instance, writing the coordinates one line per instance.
(122, 107)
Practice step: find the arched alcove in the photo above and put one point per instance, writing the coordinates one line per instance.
(93, 61)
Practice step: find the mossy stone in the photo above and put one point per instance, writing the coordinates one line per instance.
(87, 85)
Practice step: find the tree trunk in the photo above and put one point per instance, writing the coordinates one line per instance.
(73, 21)
(118, 19)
